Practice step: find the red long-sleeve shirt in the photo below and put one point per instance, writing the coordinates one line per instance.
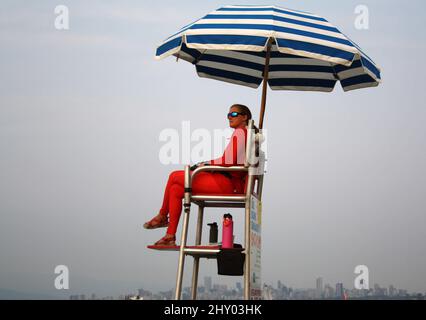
(234, 155)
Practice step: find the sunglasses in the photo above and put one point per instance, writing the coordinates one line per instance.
(235, 114)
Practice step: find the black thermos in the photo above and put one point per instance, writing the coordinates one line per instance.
(213, 233)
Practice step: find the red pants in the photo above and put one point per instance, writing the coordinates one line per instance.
(203, 183)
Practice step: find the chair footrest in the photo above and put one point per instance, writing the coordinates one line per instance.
(177, 247)
(201, 251)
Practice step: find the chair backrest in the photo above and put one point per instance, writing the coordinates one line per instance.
(255, 160)
(255, 156)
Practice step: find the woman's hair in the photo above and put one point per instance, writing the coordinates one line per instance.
(244, 110)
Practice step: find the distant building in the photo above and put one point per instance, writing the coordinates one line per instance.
(329, 292)
(239, 287)
(267, 292)
(392, 291)
(319, 289)
(145, 294)
(220, 287)
(339, 291)
(380, 292)
(402, 293)
(208, 283)
(186, 291)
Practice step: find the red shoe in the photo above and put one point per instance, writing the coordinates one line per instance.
(159, 221)
(166, 241)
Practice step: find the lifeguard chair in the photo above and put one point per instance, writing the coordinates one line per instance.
(254, 166)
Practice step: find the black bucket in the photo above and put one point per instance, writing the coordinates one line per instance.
(230, 262)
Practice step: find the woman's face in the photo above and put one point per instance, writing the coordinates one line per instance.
(238, 121)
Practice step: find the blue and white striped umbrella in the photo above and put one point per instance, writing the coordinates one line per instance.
(301, 51)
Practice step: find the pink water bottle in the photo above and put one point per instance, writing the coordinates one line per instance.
(227, 232)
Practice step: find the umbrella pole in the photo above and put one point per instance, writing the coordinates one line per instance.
(265, 82)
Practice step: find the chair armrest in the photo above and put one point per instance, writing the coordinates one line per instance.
(210, 168)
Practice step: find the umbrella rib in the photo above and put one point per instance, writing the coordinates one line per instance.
(199, 57)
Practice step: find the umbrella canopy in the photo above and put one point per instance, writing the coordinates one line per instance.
(288, 49)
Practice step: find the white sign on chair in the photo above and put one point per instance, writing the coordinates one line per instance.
(255, 248)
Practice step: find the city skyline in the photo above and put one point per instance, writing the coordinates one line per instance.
(211, 290)
(280, 292)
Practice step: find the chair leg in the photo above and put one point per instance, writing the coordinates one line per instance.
(195, 278)
(197, 259)
(181, 263)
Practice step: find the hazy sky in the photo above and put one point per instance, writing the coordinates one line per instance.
(81, 112)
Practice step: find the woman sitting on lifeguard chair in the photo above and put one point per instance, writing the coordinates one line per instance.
(205, 182)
